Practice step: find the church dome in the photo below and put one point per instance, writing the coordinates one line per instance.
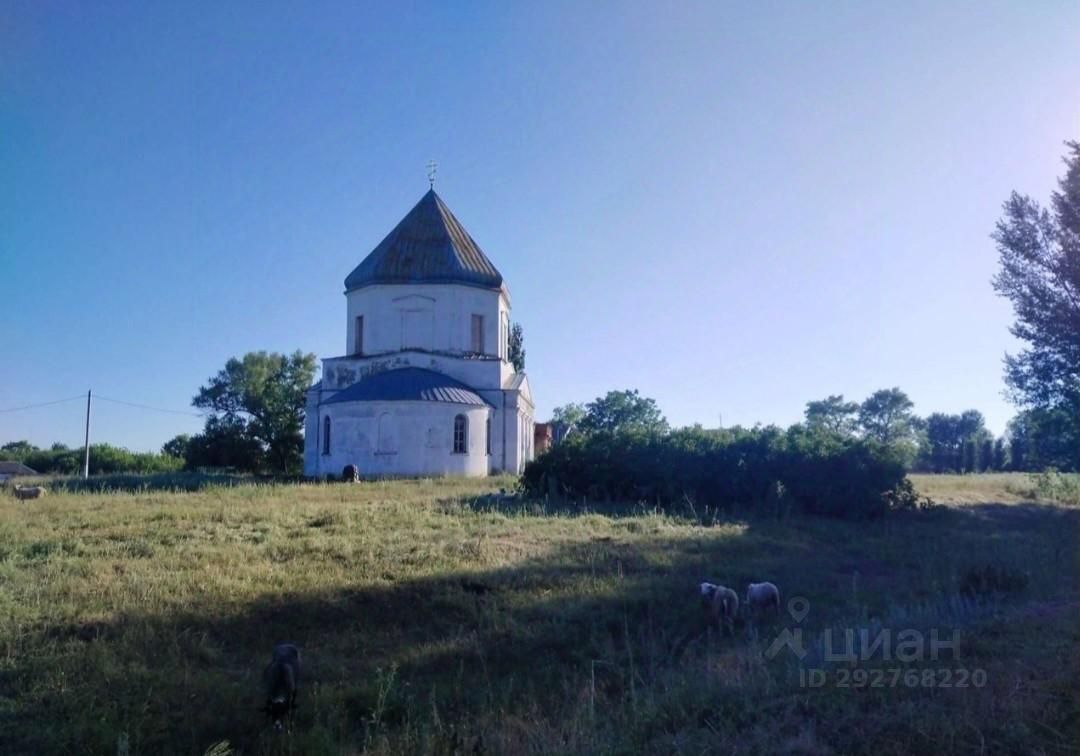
(429, 245)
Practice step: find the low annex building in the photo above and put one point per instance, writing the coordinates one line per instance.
(12, 469)
(426, 386)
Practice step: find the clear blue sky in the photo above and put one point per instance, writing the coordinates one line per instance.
(734, 208)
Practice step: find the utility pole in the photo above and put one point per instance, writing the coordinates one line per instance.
(86, 457)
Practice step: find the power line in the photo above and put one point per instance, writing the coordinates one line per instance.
(42, 404)
(105, 399)
(148, 407)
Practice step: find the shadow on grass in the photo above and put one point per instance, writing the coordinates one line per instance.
(467, 642)
(467, 648)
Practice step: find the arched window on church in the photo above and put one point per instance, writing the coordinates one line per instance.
(461, 435)
(326, 435)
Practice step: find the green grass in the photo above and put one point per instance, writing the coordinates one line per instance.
(443, 617)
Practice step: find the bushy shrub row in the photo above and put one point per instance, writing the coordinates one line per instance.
(1056, 486)
(764, 469)
(105, 459)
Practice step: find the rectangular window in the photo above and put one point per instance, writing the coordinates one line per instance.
(478, 334)
(358, 339)
(488, 431)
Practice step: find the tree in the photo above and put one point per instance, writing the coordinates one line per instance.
(1001, 456)
(621, 411)
(943, 438)
(17, 451)
(986, 454)
(177, 446)
(833, 414)
(225, 442)
(568, 414)
(1043, 438)
(970, 455)
(264, 395)
(1018, 441)
(566, 418)
(970, 423)
(1040, 275)
(948, 438)
(517, 347)
(886, 417)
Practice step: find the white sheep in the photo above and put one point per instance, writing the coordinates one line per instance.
(721, 603)
(29, 492)
(761, 596)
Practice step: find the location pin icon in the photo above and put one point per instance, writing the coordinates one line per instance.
(798, 608)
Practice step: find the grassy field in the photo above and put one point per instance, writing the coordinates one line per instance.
(444, 617)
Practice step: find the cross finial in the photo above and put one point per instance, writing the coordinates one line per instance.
(432, 167)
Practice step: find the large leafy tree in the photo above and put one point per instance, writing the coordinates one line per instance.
(621, 411)
(833, 415)
(886, 417)
(1039, 253)
(943, 441)
(261, 396)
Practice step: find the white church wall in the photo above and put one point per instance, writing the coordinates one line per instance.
(400, 438)
(428, 317)
(515, 425)
(492, 373)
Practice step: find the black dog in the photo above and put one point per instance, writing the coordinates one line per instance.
(280, 679)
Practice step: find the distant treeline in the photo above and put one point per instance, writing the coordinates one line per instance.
(845, 459)
(1034, 441)
(104, 459)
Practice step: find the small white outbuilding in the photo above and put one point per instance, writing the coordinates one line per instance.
(426, 386)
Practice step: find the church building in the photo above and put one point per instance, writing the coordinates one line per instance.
(425, 386)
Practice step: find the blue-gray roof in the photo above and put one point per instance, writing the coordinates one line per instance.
(409, 385)
(429, 245)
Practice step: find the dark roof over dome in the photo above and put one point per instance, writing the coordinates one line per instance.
(409, 385)
(429, 245)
